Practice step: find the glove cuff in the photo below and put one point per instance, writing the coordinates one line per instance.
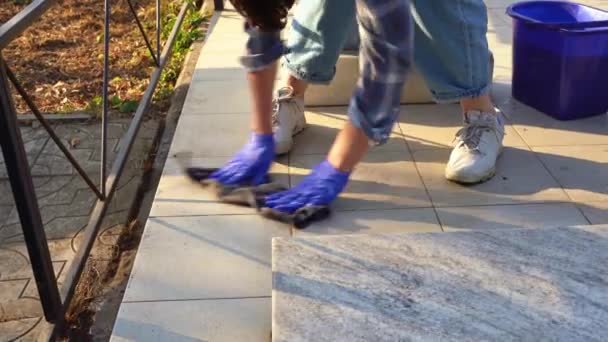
(326, 171)
(262, 139)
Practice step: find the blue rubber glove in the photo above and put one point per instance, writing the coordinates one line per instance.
(321, 187)
(250, 166)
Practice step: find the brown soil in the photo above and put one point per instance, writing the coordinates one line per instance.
(98, 279)
(59, 59)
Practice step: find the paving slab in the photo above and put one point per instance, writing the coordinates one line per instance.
(596, 212)
(217, 97)
(17, 330)
(227, 320)
(205, 257)
(177, 195)
(383, 180)
(375, 222)
(324, 123)
(65, 203)
(427, 127)
(511, 216)
(490, 285)
(581, 170)
(32, 147)
(211, 136)
(539, 129)
(203, 271)
(520, 178)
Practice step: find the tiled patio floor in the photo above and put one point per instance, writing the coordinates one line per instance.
(203, 268)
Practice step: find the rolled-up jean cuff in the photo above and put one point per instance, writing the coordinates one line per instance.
(263, 49)
(452, 97)
(298, 72)
(257, 62)
(377, 135)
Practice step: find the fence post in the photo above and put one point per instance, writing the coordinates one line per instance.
(18, 170)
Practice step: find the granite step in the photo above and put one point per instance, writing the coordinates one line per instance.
(339, 91)
(483, 285)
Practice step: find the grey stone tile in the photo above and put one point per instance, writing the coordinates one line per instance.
(57, 190)
(29, 133)
(520, 178)
(539, 129)
(20, 309)
(323, 126)
(55, 227)
(511, 216)
(32, 150)
(190, 321)
(10, 233)
(383, 180)
(217, 97)
(229, 22)
(219, 67)
(495, 284)
(211, 136)
(498, 18)
(433, 126)
(10, 290)
(60, 268)
(13, 262)
(65, 202)
(17, 265)
(375, 222)
(15, 330)
(65, 227)
(225, 42)
(51, 164)
(596, 212)
(6, 194)
(500, 41)
(177, 195)
(113, 145)
(206, 257)
(5, 210)
(581, 170)
(66, 198)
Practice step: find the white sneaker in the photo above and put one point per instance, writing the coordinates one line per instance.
(477, 147)
(287, 119)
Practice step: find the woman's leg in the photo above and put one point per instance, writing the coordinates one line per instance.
(385, 57)
(317, 34)
(452, 55)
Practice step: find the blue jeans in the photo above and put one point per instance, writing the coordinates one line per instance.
(450, 46)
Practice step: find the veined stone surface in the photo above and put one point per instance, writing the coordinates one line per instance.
(490, 285)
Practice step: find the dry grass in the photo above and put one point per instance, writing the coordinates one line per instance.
(59, 58)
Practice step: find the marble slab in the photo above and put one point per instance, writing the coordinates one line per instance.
(490, 285)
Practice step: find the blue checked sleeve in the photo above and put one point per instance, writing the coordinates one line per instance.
(385, 58)
(262, 49)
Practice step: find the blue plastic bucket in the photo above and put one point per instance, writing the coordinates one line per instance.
(560, 58)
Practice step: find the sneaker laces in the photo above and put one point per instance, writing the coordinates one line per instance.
(470, 134)
(284, 94)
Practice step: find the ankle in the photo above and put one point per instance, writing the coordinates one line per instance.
(348, 149)
(299, 86)
(482, 103)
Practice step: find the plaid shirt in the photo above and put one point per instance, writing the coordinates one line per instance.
(385, 58)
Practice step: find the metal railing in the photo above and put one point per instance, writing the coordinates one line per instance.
(55, 301)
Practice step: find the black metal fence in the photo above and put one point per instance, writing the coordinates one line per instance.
(54, 300)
